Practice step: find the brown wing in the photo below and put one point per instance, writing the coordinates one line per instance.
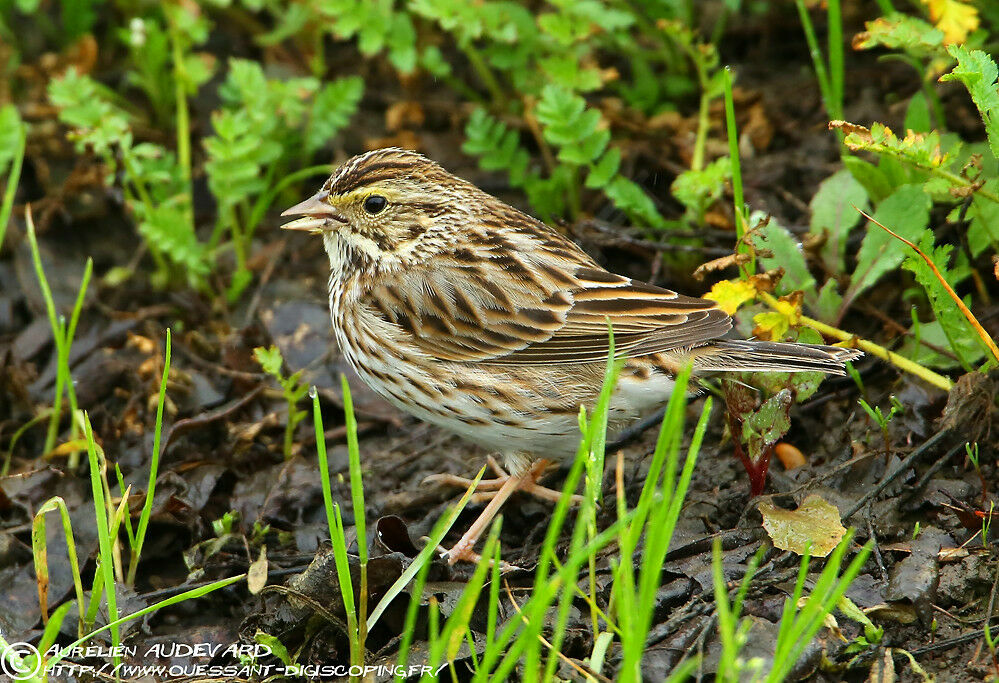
(540, 310)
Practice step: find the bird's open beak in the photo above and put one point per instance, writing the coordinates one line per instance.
(319, 216)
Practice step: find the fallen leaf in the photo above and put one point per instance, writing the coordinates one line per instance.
(815, 522)
(256, 575)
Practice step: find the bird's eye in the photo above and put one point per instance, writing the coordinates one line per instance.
(375, 203)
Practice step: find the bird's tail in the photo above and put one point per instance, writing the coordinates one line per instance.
(760, 356)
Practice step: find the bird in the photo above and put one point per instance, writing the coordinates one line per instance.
(476, 317)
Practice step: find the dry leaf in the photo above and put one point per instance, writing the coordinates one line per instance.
(256, 575)
(720, 263)
(815, 522)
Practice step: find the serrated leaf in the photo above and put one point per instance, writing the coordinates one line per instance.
(897, 31)
(601, 172)
(332, 108)
(956, 19)
(978, 73)
(270, 359)
(815, 527)
(767, 424)
(953, 323)
(920, 149)
(632, 199)
(907, 212)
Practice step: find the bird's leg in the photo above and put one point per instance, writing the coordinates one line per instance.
(527, 481)
(490, 488)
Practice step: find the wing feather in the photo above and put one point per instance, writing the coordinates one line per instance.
(522, 314)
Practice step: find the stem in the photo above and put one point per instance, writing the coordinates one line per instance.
(267, 198)
(836, 68)
(183, 119)
(485, 74)
(813, 49)
(870, 347)
(703, 122)
(12, 180)
(738, 199)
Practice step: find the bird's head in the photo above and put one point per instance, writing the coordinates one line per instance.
(386, 208)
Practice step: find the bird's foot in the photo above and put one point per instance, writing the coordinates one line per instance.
(487, 489)
(496, 492)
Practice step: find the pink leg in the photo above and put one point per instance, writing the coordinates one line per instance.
(526, 482)
(462, 550)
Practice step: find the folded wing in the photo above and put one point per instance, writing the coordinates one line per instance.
(541, 312)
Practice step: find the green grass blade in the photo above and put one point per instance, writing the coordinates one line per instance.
(104, 539)
(154, 466)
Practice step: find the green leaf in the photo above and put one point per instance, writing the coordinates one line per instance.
(917, 114)
(873, 179)
(432, 59)
(897, 31)
(787, 254)
(983, 217)
(907, 213)
(401, 40)
(828, 302)
(633, 200)
(933, 333)
(978, 73)
(767, 424)
(11, 129)
(953, 323)
(332, 108)
(697, 190)
(167, 228)
(834, 212)
(496, 146)
(602, 171)
(270, 360)
(236, 157)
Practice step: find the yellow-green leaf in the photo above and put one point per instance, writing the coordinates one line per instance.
(956, 19)
(815, 523)
(731, 294)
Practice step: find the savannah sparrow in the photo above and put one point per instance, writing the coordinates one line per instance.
(474, 316)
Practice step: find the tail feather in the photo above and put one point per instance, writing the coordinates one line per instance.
(760, 356)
